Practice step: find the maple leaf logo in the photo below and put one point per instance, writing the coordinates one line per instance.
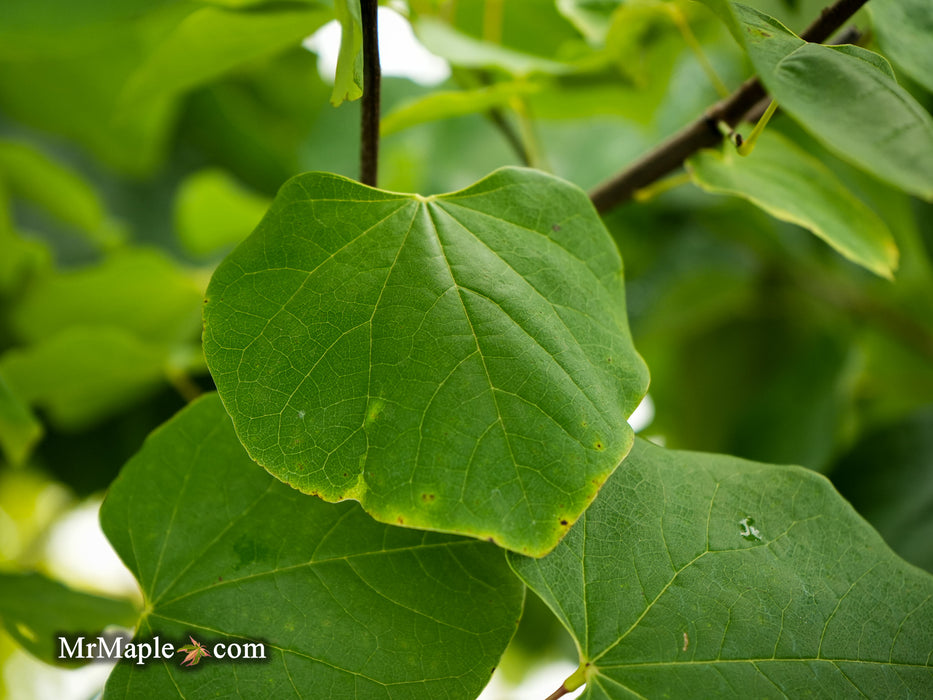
(195, 652)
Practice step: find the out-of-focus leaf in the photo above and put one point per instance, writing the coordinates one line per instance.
(73, 91)
(793, 186)
(19, 429)
(213, 212)
(804, 411)
(591, 17)
(31, 28)
(30, 501)
(139, 290)
(888, 478)
(842, 97)
(31, 175)
(453, 103)
(21, 258)
(348, 81)
(84, 374)
(476, 379)
(531, 27)
(904, 29)
(699, 575)
(255, 121)
(211, 41)
(463, 50)
(36, 610)
(344, 605)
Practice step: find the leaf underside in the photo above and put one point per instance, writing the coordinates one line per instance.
(346, 607)
(793, 186)
(845, 96)
(459, 363)
(700, 575)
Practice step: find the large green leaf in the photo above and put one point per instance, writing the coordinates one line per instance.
(699, 575)
(793, 186)
(346, 606)
(905, 32)
(458, 362)
(844, 95)
(36, 610)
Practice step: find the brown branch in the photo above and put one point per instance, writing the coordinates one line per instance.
(559, 693)
(372, 88)
(704, 132)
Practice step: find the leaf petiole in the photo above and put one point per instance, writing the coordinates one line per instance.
(746, 147)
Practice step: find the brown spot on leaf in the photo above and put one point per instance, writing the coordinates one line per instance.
(427, 497)
(555, 227)
(563, 522)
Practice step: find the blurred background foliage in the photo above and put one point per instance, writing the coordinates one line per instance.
(141, 139)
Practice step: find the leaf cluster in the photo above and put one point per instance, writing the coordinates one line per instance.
(389, 436)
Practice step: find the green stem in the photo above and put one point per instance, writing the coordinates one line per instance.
(532, 149)
(660, 187)
(574, 681)
(690, 39)
(747, 146)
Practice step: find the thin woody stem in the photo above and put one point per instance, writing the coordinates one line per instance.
(704, 132)
(372, 88)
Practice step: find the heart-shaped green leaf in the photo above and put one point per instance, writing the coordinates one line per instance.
(844, 95)
(345, 606)
(458, 362)
(792, 185)
(699, 575)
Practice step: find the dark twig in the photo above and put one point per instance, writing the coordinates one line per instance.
(704, 132)
(559, 693)
(372, 88)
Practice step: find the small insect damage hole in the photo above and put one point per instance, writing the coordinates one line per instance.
(598, 445)
(749, 531)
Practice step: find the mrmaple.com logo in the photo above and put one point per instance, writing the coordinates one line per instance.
(116, 648)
